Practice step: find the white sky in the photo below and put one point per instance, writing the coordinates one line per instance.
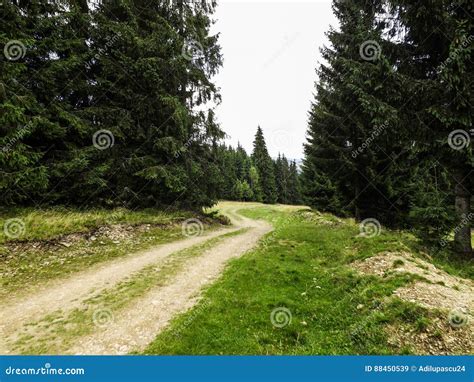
(271, 50)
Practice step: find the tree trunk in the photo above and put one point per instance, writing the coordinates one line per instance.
(462, 232)
(357, 214)
(356, 143)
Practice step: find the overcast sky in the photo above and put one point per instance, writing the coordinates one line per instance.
(270, 53)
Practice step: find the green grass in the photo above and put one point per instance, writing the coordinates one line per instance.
(452, 264)
(56, 332)
(23, 267)
(53, 222)
(303, 266)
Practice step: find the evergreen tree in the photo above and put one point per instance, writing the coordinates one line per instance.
(282, 175)
(350, 149)
(294, 191)
(32, 117)
(264, 166)
(378, 129)
(240, 177)
(255, 184)
(114, 101)
(436, 78)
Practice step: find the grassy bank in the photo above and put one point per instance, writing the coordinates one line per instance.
(27, 224)
(41, 245)
(297, 294)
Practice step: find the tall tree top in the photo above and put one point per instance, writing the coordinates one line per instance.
(259, 145)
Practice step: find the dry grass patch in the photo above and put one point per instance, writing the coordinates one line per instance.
(319, 218)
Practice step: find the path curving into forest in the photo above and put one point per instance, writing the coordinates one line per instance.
(137, 324)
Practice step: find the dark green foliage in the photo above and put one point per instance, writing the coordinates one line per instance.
(294, 188)
(240, 177)
(282, 175)
(287, 181)
(442, 81)
(431, 216)
(26, 124)
(349, 151)
(378, 129)
(264, 164)
(123, 75)
(235, 169)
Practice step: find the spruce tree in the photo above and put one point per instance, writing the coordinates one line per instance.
(416, 92)
(120, 71)
(294, 191)
(20, 113)
(436, 76)
(349, 151)
(282, 175)
(264, 165)
(255, 184)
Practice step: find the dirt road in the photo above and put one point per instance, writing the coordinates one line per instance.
(136, 325)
